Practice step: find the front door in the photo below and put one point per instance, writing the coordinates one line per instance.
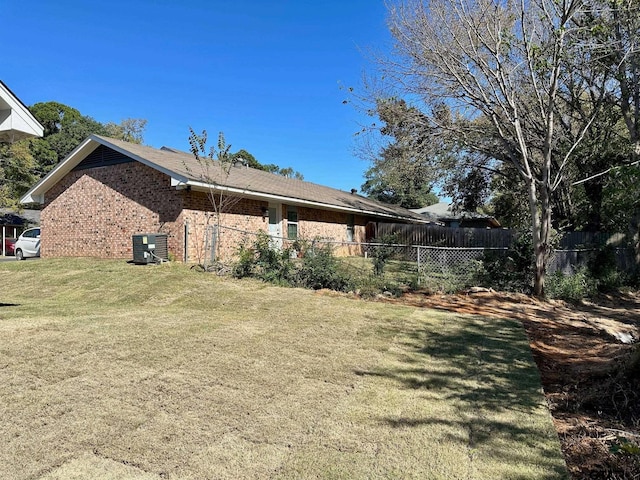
(275, 224)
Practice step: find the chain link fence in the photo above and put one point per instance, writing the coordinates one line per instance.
(435, 267)
(438, 268)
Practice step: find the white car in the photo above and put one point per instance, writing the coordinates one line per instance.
(28, 244)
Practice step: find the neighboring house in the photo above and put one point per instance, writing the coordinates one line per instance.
(442, 212)
(107, 190)
(19, 219)
(16, 121)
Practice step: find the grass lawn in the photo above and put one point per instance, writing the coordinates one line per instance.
(117, 371)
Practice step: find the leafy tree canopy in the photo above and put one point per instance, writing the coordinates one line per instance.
(25, 162)
(402, 170)
(525, 82)
(249, 160)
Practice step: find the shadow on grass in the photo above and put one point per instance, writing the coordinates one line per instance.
(484, 369)
(9, 304)
(494, 353)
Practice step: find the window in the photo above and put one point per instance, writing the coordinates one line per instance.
(292, 223)
(350, 228)
(33, 233)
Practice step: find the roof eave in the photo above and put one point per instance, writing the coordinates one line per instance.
(21, 110)
(255, 195)
(174, 175)
(36, 193)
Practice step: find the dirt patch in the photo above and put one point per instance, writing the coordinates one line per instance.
(583, 352)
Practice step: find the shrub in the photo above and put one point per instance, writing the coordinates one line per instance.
(320, 269)
(599, 275)
(264, 261)
(604, 270)
(570, 287)
(382, 253)
(511, 270)
(245, 264)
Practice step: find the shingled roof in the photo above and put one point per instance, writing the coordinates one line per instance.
(186, 172)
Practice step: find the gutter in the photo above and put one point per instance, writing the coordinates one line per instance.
(201, 186)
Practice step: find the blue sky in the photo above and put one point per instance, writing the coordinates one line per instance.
(266, 73)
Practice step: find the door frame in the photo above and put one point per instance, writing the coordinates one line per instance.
(275, 234)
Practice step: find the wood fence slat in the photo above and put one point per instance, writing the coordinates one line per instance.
(435, 235)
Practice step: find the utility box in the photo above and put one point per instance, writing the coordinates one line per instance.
(150, 248)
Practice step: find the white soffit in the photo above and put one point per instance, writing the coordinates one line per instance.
(16, 121)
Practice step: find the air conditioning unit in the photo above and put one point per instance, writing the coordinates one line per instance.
(150, 248)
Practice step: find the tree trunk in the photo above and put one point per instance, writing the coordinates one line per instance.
(540, 230)
(635, 238)
(633, 364)
(538, 281)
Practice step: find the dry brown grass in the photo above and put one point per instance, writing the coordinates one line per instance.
(111, 370)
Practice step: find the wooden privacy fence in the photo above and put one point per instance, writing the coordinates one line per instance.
(456, 252)
(575, 240)
(570, 261)
(437, 236)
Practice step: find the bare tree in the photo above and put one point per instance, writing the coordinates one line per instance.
(215, 166)
(500, 65)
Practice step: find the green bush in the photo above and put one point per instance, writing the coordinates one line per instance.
(510, 271)
(599, 275)
(604, 270)
(319, 268)
(381, 254)
(570, 287)
(245, 264)
(265, 262)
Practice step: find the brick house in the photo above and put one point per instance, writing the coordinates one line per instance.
(107, 190)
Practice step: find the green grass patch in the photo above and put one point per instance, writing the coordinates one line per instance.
(160, 372)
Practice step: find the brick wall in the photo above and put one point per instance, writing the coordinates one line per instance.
(315, 223)
(94, 212)
(329, 226)
(245, 215)
(239, 215)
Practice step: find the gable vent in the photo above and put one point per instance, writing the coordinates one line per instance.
(102, 157)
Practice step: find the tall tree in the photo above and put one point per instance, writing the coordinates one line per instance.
(65, 128)
(617, 27)
(402, 170)
(506, 62)
(249, 160)
(25, 162)
(130, 130)
(16, 172)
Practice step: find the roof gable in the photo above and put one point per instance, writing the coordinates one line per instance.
(102, 157)
(185, 171)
